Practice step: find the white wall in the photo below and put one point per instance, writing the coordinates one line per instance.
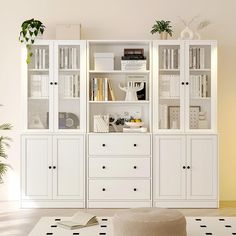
(120, 19)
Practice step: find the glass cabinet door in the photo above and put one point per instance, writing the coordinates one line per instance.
(70, 89)
(170, 79)
(199, 90)
(38, 89)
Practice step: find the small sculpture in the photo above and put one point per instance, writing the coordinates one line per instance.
(131, 90)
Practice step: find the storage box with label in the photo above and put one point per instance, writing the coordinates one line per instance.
(104, 61)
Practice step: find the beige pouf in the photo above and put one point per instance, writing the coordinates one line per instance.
(149, 222)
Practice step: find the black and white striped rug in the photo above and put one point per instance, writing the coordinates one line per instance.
(196, 226)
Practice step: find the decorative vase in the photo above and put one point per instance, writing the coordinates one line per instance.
(163, 35)
(186, 33)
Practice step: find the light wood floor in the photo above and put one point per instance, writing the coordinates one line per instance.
(19, 222)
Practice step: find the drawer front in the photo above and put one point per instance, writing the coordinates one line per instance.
(119, 167)
(119, 145)
(119, 189)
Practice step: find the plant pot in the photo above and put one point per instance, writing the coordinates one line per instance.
(163, 35)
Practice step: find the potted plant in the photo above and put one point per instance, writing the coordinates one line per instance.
(30, 29)
(4, 143)
(163, 28)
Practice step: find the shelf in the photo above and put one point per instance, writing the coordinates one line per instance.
(119, 102)
(199, 70)
(69, 70)
(207, 98)
(119, 72)
(69, 98)
(38, 70)
(169, 98)
(169, 70)
(38, 98)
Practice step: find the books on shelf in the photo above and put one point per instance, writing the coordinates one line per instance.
(196, 58)
(163, 116)
(170, 58)
(40, 55)
(39, 86)
(68, 58)
(169, 86)
(70, 86)
(79, 220)
(199, 86)
(101, 90)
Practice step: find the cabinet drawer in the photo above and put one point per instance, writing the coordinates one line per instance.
(119, 189)
(119, 145)
(119, 167)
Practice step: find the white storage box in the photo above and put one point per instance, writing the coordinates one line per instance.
(133, 65)
(104, 61)
(68, 31)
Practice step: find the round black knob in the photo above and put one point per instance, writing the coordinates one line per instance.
(54, 167)
(188, 167)
(182, 83)
(135, 189)
(55, 83)
(135, 145)
(103, 189)
(103, 167)
(184, 167)
(51, 83)
(186, 83)
(49, 167)
(135, 167)
(103, 144)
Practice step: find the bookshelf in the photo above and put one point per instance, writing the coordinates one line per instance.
(104, 92)
(186, 84)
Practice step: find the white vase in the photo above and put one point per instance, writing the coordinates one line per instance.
(186, 33)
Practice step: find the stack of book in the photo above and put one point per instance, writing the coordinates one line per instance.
(70, 86)
(39, 86)
(68, 58)
(196, 58)
(170, 58)
(169, 86)
(101, 90)
(199, 86)
(40, 58)
(163, 116)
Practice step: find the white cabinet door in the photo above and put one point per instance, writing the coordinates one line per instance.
(202, 163)
(68, 167)
(37, 167)
(169, 160)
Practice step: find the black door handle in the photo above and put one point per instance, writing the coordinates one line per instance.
(184, 167)
(49, 167)
(54, 167)
(188, 167)
(135, 189)
(103, 189)
(103, 167)
(135, 167)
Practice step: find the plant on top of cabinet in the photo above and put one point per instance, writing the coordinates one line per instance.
(163, 28)
(30, 29)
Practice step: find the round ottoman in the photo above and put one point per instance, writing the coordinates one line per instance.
(149, 222)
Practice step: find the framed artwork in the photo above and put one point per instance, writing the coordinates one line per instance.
(174, 117)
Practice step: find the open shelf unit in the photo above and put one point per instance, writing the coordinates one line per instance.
(117, 107)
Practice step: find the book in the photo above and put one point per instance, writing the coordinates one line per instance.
(79, 220)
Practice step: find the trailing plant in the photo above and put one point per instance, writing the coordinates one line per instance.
(30, 29)
(162, 26)
(4, 143)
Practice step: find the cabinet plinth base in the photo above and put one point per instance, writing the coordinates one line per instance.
(52, 204)
(120, 204)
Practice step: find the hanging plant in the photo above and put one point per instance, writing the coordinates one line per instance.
(30, 29)
(4, 143)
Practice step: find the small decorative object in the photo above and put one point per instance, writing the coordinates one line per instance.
(4, 143)
(202, 123)
(30, 30)
(187, 33)
(113, 117)
(134, 125)
(103, 61)
(101, 123)
(163, 28)
(36, 123)
(201, 26)
(131, 90)
(68, 120)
